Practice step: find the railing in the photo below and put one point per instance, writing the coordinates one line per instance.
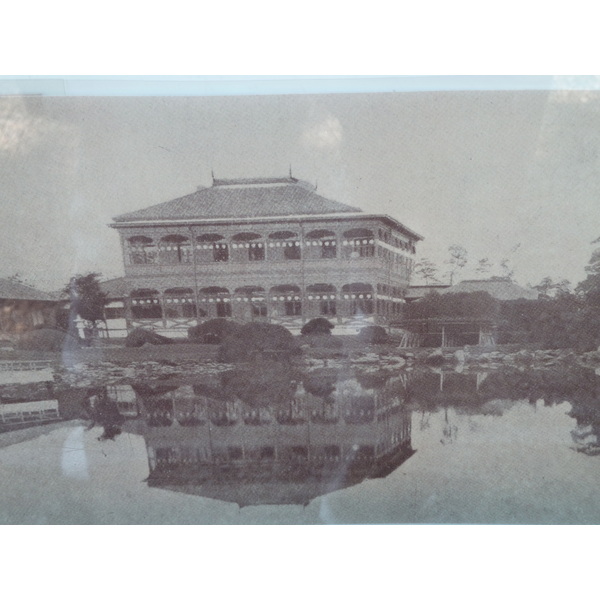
(25, 371)
(29, 412)
(25, 365)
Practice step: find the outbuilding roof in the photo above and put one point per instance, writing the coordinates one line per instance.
(14, 290)
(416, 292)
(501, 289)
(116, 288)
(233, 198)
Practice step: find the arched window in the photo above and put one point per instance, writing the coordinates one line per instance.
(145, 304)
(175, 249)
(179, 303)
(211, 247)
(248, 246)
(159, 413)
(141, 250)
(284, 245)
(250, 301)
(321, 299)
(287, 299)
(215, 301)
(359, 243)
(358, 298)
(321, 243)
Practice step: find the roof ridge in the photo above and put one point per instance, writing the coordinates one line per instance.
(235, 198)
(255, 180)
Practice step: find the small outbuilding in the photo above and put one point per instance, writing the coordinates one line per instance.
(23, 308)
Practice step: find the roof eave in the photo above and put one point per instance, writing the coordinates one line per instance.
(256, 220)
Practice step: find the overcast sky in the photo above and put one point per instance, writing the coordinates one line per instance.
(507, 175)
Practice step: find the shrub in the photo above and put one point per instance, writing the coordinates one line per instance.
(373, 334)
(253, 340)
(320, 382)
(263, 385)
(318, 326)
(561, 322)
(213, 331)
(138, 337)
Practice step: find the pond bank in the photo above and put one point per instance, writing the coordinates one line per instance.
(113, 365)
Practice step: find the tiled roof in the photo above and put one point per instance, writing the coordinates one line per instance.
(232, 198)
(116, 288)
(13, 290)
(502, 289)
(414, 292)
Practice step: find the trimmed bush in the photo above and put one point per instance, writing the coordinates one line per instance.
(47, 340)
(320, 382)
(318, 326)
(213, 331)
(138, 337)
(260, 385)
(373, 334)
(255, 340)
(435, 359)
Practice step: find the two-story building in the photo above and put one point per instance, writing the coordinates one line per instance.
(261, 249)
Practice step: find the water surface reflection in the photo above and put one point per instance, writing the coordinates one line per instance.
(271, 435)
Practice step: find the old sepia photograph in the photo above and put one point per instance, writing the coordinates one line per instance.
(304, 308)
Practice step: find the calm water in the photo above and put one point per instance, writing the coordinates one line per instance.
(268, 444)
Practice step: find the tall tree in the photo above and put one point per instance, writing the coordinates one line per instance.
(484, 266)
(86, 298)
(589, 288)
(19, 278)
(457, 261)
(562, 288)
(507, 269)
(545, 287)
(427, 270)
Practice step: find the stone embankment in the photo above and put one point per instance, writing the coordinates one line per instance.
(371, 359)
(468, 357)
(107, 373)
(493, 358)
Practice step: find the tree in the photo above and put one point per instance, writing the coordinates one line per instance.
(562, 288)
(545, 287)
(483, 266)
(86, 298)
(589, 288)
(19, 278)
(507, 270)
(427, 270)
(457, 260)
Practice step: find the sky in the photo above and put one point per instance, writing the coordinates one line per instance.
(508, 175)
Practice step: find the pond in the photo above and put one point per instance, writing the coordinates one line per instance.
(269, 443)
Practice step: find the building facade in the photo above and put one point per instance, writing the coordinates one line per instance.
(23, 308)
(261, 250)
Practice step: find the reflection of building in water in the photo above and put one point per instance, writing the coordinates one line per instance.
(29, 404)
(26, 413)
(125, 399)
(287, 452)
